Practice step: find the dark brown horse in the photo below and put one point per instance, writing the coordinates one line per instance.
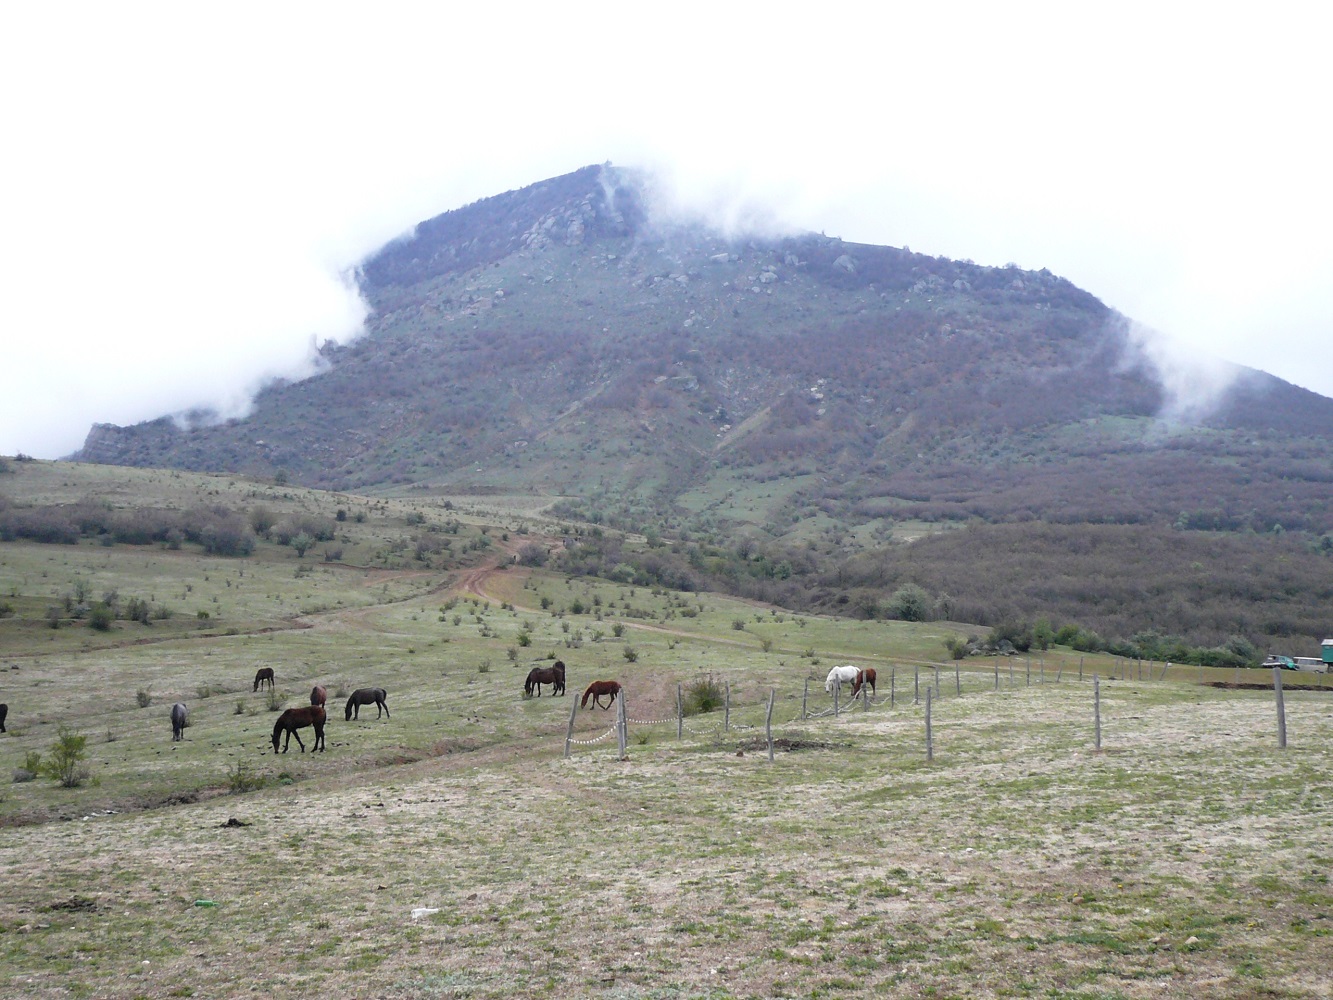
(298, 718)
(367, 696)
(864, 678)
(598, 688)
(553, 675)
(264, 676)
(318, 696)
(4, 710)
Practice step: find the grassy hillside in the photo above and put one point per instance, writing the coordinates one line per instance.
(791, 416)
(1016, 861)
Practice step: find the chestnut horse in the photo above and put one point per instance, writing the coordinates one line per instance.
(553, 675)
(264, 676)
(598, 688)
(318, 696)
(179, 715)
(864, 678)
(367, 696)
(298, 718)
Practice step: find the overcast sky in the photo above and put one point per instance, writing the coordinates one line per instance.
(184, 187)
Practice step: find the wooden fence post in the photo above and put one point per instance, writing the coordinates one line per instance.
(1028, 679)
(1097, 711)
(937, 682)
(768, 721)
(805, 698)
(997, 675)
(622, 728)
(865, 697)
(726, 716)
(930, 741)
(837, 690)
(1080, 668)
(957, 679)
(569, 731)
(893, 683)
(1165, 667)
(680, 712)
(1281, 708)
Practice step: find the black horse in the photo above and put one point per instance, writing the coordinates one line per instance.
(179, 715)
(298, 718)
(4, 710)
(553, 675)
(264, 675)
(367, 696)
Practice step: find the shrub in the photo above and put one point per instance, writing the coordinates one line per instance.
(910, 603)
(144, 697)
(243, 777)
(630, 654)
(275, 700)
(64, 763)
(100, 617)
(704, 694)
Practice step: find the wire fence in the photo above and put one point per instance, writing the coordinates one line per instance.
(915, 692)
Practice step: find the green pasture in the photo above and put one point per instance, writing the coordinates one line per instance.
(454, 850)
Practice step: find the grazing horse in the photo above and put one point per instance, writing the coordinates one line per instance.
(598, 688)
(840, 676)
(318, 696)
(178, 716)
(298, 718)
(264, 675)
(4, 710)
(367, 696)
(864, 678)
(553, 675)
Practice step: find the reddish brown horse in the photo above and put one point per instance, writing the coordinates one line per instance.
(264, 675)
(298, 718)
(597, 689)
(318, 696)
(864, 678)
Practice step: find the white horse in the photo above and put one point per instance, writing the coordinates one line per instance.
(840, 676)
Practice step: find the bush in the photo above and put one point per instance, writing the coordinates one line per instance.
(64, 763)
(630, 654)
(704, 694)
(910, 603)
(100, 617)
(144, 697)
(243, 777)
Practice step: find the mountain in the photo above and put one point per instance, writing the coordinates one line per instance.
(802, 394)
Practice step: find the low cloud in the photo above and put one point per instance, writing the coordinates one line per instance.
(1194, 383)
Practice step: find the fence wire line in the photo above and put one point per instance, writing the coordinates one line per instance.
(595, 739)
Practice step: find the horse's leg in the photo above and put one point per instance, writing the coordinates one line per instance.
(385, 705)
(298, 739)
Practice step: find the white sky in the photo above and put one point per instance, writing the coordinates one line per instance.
(183, 186)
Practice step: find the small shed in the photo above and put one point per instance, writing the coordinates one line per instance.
(1326, 647)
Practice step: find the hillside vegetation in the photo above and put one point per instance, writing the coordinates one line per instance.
(793, 416)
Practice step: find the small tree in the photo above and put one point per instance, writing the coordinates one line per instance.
(64, 762)
(910, 603)
(300, 543)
